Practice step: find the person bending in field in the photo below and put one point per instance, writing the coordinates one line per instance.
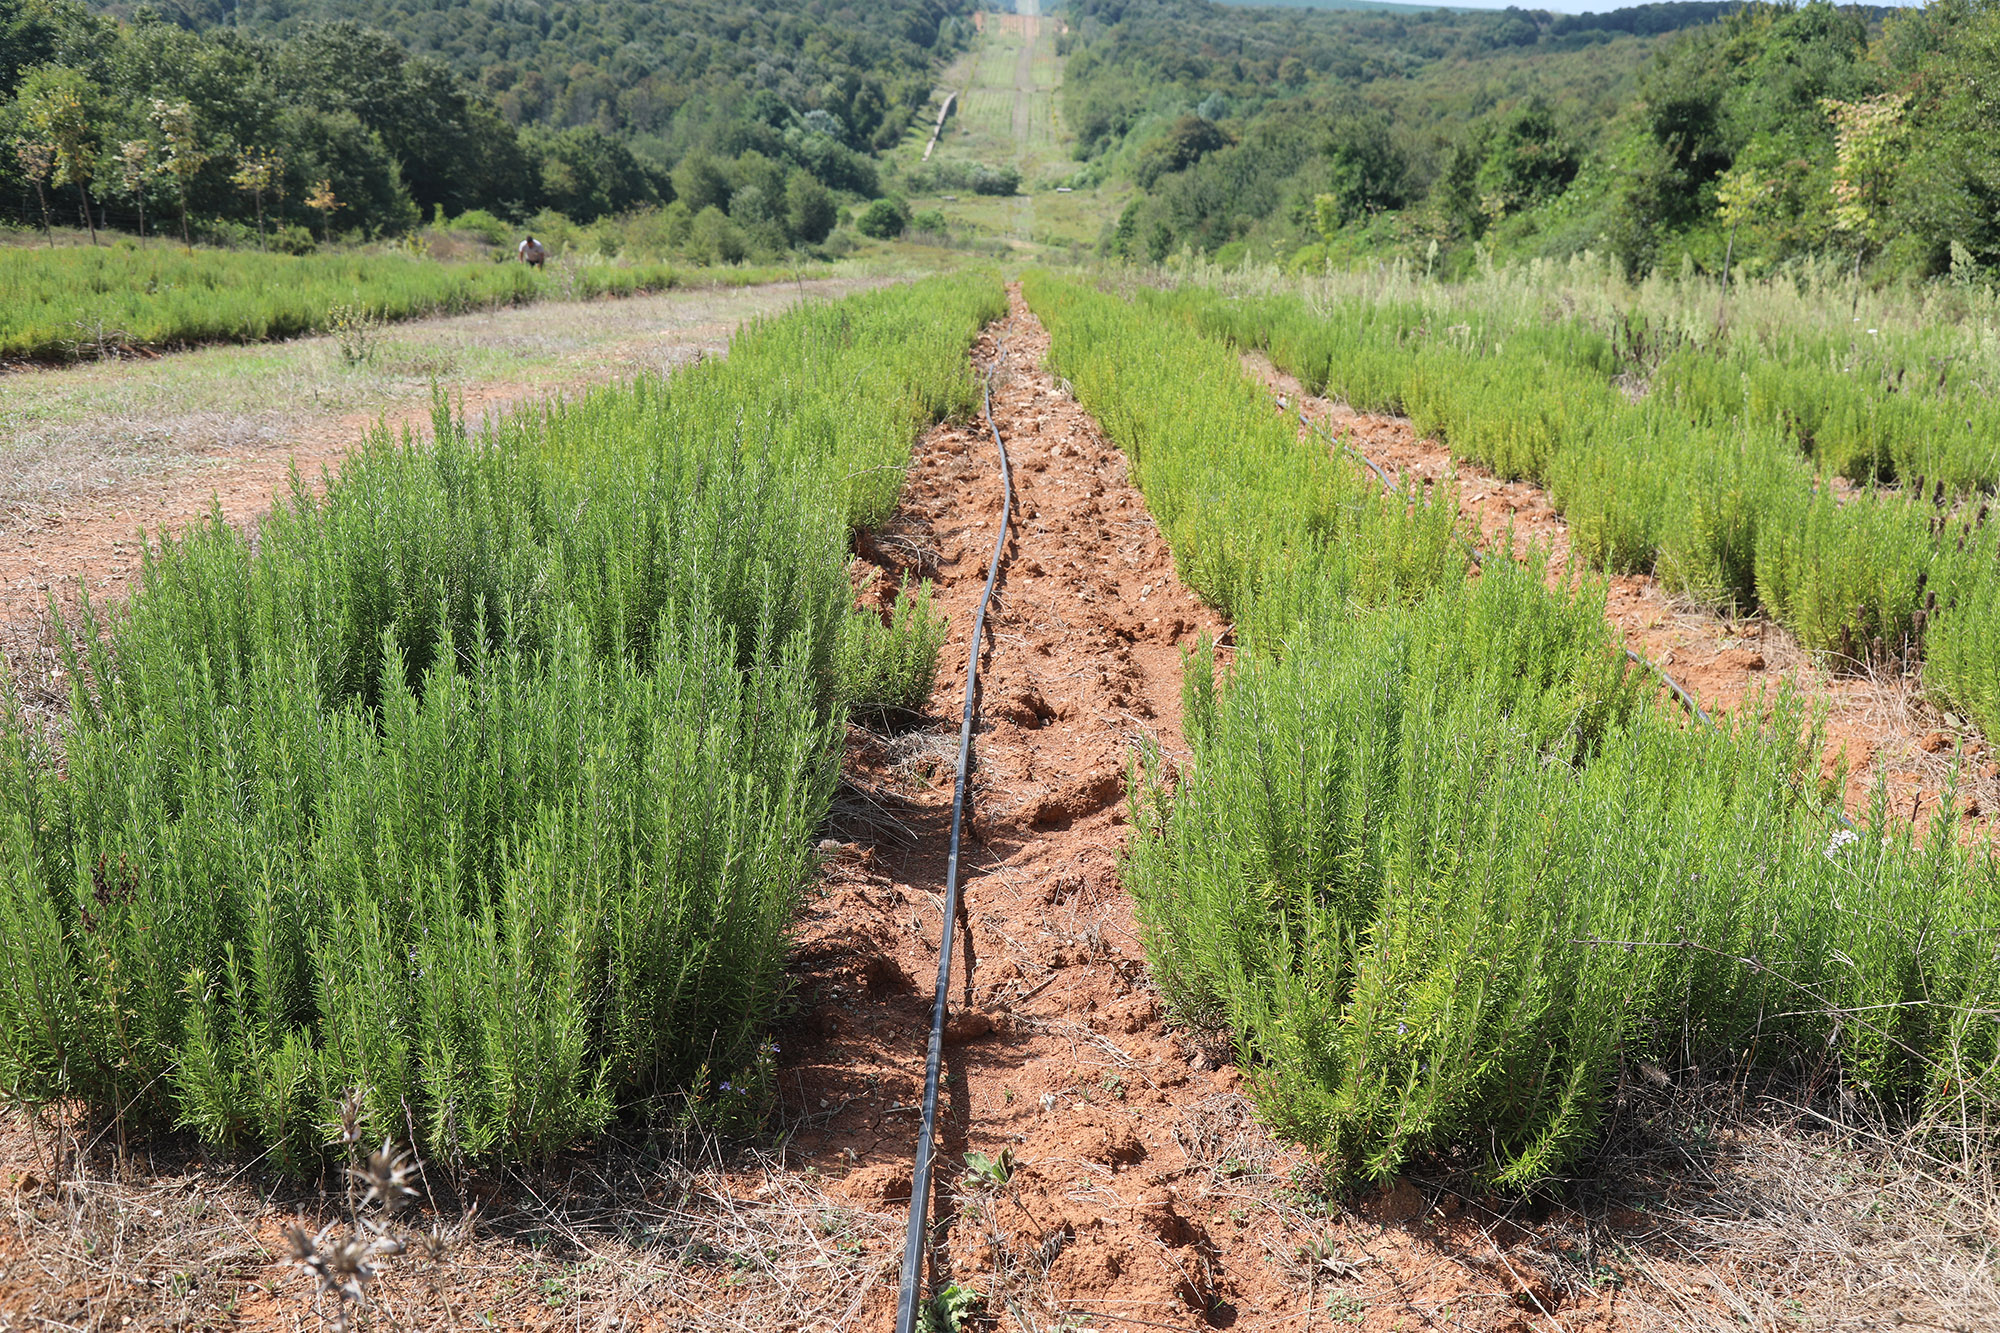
(533, 253)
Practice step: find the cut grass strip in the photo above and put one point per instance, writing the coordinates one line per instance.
(60, 305)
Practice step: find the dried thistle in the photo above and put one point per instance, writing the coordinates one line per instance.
(387, 1174)
(351, 1106)
(342, 1269)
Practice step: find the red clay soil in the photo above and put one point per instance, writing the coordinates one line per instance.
(1140, 1192)
(1878, 723)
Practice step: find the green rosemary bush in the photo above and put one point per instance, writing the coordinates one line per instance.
(483, 782)
(886, 671)
(1717, 477)
(1962, 654)
(1262, 524)
(1445, 867)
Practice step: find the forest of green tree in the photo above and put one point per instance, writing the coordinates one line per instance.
(1704, 134)
(1667, 135)
(305, 119)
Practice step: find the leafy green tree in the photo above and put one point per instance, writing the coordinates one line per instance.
(182, 156)
(1741, 196)
(701, 183)
(1947, 186)
(136, 168)
(1364, 169)
(336, 147)
(37, 160)
(1187, 141)
(1529, 159)
(55, 107)
(1865, 169)
(258, 173)
(810, 213)
(1455, 211)
(833, 162)
(1746, 91)
(322, 200)
(450, 148)
(50, 32)
(758, 196)
(716, 239)
(884, 219)
(587, 174)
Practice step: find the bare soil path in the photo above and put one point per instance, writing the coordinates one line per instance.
(1878, 724)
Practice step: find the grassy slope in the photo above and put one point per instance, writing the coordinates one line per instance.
(983, 128)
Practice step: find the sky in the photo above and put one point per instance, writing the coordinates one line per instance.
(1604, 6)
(1558, 6)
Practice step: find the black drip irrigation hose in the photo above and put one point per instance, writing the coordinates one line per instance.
(920, 1174)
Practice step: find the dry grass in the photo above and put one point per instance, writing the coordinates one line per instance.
(71, 433)
(1710, 1208)
(1760, 1209)
(674, 1234)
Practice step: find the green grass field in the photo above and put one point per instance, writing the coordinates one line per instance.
(1009, 114)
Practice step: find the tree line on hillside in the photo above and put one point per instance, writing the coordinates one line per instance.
(1749, 135)
(661, 71)
(338, 129)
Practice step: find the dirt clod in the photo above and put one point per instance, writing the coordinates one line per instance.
(969, 1025)
(886, 1183)
(1078, 798)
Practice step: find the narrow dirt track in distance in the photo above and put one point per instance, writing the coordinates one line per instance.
(1878, 723)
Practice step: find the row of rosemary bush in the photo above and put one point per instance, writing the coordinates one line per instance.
(1707, 490)
(484, 781)
(1445, 867)
(52, 302)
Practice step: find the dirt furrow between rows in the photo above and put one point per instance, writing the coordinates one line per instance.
(1061, 1061)
(1137, 1190)
(1879, 724)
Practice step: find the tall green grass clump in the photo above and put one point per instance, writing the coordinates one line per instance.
(1445, 868)
(483, 782)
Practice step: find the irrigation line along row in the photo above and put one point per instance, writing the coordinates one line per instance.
(920, 1175)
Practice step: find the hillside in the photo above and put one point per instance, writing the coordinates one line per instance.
(667, 70)
(1707, 134)
(770, 116)
(1667, 135)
